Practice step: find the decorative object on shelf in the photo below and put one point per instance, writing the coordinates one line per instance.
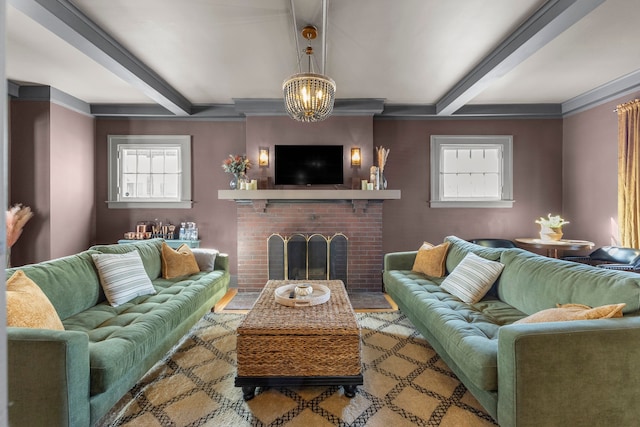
(356, 158)
(382, 154)
(551, 228)
(16, 218)
(188, 231)
(309, 97)
(303, 289)
(263, 157)
(238, 165)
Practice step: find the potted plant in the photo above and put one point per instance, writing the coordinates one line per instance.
(551, 227)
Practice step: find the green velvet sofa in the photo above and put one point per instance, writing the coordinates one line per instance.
(572, 373)
(73, 377)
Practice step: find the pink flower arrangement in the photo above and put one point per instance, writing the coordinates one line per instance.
(236, 164)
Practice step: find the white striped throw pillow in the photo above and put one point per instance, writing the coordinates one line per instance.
(122, 277)
(472, 278)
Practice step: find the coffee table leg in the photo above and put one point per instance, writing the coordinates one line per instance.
(350, 390)
(248, 392)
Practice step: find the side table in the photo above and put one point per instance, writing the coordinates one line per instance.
(552, 246)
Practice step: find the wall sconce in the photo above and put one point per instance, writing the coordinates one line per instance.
(356, 159)
(263, 157)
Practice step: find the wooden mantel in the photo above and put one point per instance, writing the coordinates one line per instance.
(308, 194)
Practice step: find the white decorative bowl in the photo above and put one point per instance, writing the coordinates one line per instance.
(303, 290)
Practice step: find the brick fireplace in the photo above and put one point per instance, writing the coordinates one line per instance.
(359, 219)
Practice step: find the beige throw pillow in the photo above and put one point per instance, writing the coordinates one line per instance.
(565, 312)
(430, 259)
(179, 262)
(122, 277)
(28, 306)
(472, 278)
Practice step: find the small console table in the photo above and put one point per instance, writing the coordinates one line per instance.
(174, 243)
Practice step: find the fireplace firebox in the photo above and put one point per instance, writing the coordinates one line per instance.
(308, 257)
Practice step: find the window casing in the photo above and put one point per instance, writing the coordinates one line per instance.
(149, 171)
(471, 171)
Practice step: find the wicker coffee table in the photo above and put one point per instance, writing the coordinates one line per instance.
(318, 345)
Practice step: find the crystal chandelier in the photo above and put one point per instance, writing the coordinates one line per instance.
(309, 97)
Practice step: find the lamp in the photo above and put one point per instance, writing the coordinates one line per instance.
(309, 97)
(356, 159)
(263, 157)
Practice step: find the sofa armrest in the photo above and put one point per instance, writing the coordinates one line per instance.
(584, 372)
(399, 260)
(222, 262)
(48, 377)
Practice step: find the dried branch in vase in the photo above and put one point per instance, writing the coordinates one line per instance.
(17, 217)
(382, 154)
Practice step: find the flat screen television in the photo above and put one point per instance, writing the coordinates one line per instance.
(308, 165)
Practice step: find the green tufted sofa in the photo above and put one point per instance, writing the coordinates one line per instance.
(576, 373)
(73, 377)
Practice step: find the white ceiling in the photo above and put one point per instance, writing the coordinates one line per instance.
(411, 52)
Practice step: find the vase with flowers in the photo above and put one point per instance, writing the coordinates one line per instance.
(551, 227)
(238, 165)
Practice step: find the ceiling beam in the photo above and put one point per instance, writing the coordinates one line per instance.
(544, 25)
(67, 22)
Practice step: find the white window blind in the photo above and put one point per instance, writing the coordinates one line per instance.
(149, 171)
(471, 171)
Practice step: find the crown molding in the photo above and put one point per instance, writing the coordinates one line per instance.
(53, 95)
(341, 107)
(245, 107)
(607, 92)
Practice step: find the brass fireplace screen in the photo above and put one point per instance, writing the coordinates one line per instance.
(307, 257)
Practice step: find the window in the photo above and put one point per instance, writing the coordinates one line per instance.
(149, 171)
(471, 171)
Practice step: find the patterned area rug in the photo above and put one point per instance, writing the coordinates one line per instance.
(405, 384)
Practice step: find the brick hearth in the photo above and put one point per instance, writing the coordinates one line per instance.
(360, 221)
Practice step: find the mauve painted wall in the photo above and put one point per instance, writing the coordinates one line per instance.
(407, 222)
(590, 173)
(52, 171)
(212, 141)
(29, 176)
(539, 159)
(537, 181)
(72, 181)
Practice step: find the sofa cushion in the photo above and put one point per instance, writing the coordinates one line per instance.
(533, 283)
(28, 306)
(472, 278)
(149, 252)
(71, 283)
(574, 312)
(120, 337)
(178, 262)
(468, 333)
(430, 260)
(206, 258)
(122, 276)
(460, 248)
